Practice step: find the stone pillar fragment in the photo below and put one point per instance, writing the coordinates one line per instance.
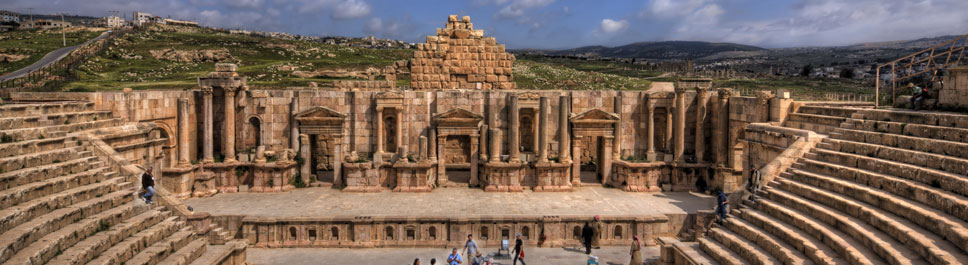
(700, 120)
(380, 132)
(495, 145)
(208, 134)
(650, 141)
(183, 148)
(475, 161)
(401, 146)
(432, 149)
(564, 140)
(668, 135)
(680, 125)
(228, 135)
(543, 130)
(617, 139)
(720, 144)
(514, 136)
(293, 125)
(607, 159)
(423, 148)
(305, 152)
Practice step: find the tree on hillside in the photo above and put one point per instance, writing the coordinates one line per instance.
(847, 73)
(806, 71)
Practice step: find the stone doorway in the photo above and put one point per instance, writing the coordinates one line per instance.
(322, 157)
(593, 132)
(321, 141)
(457, 153)
(457, 147)
(591, 160)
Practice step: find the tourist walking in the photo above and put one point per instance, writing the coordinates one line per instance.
(470, 247)
(597, 238)
(416, 261)
(148, 184)
(586, 234)
(722, 202)
(518, 250)
(636, 251)
(454, 258)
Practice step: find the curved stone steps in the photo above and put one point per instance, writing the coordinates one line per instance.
(927, 145)
(27, 192)
(952, 228)
(86, 250)
(746, 249)
(879, 242)
(29, 160)
(29, 109)
(24, 212)
(19, 237)
(45, 248)
(41, 120)
(123, 251)
(691, 251)
(929, 246)
(23, 176)
(776, 248)
(945, 180)
(944, 201)
(911, 157)
(807, 245)
(188, 253)
(36, 145)
(719, 253)
(946, 133)
(161, 250)
(849, 249)
(58, 130)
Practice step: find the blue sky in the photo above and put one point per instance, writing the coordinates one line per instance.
(564, 23)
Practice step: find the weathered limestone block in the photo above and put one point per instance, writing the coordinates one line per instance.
(362, 177)
(504, 177)
(413, 177)
(638, 177)
(551, 176)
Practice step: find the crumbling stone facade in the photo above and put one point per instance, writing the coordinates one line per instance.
(460, 57)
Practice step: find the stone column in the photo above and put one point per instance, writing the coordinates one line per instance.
(543, 130)
(475, 162)
(208, 135)
(305, 150)
(700, 120)
(338, 161)
(607, 158)
(442, 161)
(293, 125)
(380, 134)
(564, 141)
(422, 154)
(183, 148)
(576, 163)
(432, 149)
(650, 141)
(617, 138)
(228, 135)
(680, 125)
(514, 137)
(763, 105)
(495, 145)
(720, 145)
(668, 135)
(399, 133)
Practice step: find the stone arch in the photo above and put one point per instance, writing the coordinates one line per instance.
(252, 132)
(526, 232)
(484, 232)
(293, 234)
(576, 232)
(388, 233)
(617, 232)
(311, 232)
(334, 233)
(527, 132)
(410, 233)
(432, 232)
(168, 149)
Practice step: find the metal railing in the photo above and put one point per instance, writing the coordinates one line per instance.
(921, 62)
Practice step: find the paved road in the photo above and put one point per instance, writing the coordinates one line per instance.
(50, 58)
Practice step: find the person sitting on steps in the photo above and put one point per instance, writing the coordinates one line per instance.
(920, 94)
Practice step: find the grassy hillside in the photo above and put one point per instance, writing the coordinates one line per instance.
(536, 75)
(37, 43)
(268, 63)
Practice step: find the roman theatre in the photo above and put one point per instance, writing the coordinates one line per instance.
(463, 151)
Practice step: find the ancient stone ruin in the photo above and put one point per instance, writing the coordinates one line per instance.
(840, 181)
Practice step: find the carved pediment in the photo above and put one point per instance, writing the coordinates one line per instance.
(320, 112)
(321, 120)
(458, 117)
(594, 115)
(528, 99)
(390, 94)
(389, 99)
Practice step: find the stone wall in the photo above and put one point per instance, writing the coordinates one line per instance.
(954, 94)
(460, 57)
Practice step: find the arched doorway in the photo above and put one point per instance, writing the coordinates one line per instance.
(252, 134)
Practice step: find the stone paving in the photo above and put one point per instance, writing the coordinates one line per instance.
(465, 202)
(534, 256)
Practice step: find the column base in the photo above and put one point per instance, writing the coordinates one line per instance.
(651, 156)
(230, 160)
(208, 160)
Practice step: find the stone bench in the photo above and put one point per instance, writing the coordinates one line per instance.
(925, 216)
(13, 216)
(31, 133)
(925, 243)
(770, 244)
(19, 237)
(29, 109)
(160, 250)
(877, 241)
(818, 123)
(807, 245)
(946, 181)
(953, 134)
(33, 190)
(23, 176)
(917, 158)
(36, 145)
(56, 242)
(41, 158)
(719, 253)
(943, 119)
(749, 251)
(91, 247)
(827, 111)
(123, 251)
(942, 147)
(53, 119)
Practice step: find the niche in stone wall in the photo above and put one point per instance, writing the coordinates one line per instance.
(525, 232)
(432, 232)
(505, 233)
(334, 233)
(576, 233)
(457, 149)
(411, 233)
(390, 132)
(252, 134)
(617, 234)
(292, 234)
(527, 129)
(484, 233)
(312, 234)
(389, 233)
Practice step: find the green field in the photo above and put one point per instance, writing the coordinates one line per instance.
(801, 88)
(614, 68)
(130, 63)
(536, 75)
(36, 44)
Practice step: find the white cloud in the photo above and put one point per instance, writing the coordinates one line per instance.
(610, 26)
(246, 3)
(338, 9)
(396, 28)
(517, 8)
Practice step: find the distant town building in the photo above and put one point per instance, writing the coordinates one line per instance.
(44, 24)
(141, 18)
(179, 22)
(110, 22)
(7, 16)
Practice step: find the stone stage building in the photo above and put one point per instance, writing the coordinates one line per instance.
(464, 126)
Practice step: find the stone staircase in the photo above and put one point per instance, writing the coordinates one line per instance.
(886, 187)
(60, 203)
